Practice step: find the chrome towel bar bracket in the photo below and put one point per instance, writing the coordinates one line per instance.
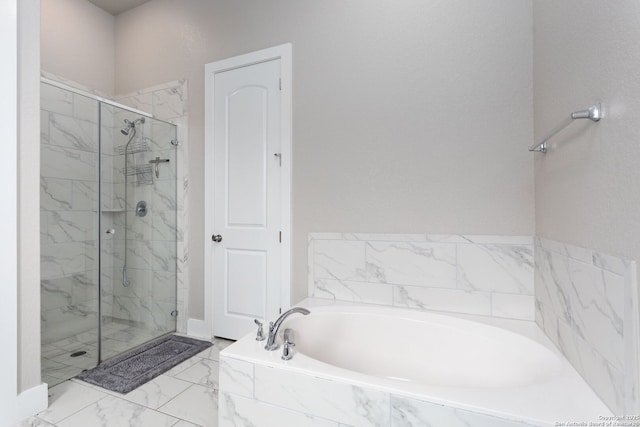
(593, 113)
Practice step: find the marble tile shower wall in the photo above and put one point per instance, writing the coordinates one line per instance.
(167, 102)
(151, 240)
(68, 199)
(480, 275)
(69, 147)
(586, 302)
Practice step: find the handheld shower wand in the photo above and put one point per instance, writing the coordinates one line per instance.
(130, 131)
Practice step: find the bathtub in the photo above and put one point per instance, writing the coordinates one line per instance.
(383, 366)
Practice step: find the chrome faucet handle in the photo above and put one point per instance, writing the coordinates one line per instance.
(286, 347)
(274, 327)
(260, 334)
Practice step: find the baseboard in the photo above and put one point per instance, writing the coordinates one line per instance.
(198, 329)
(31, 401)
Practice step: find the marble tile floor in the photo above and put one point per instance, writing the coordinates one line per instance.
(185, 396)
(118, 337)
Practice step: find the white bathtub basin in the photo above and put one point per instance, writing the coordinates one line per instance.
(422, 347)
(502, 368)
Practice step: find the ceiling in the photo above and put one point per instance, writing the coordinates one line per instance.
(116, 7)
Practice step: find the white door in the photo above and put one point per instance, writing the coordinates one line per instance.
(246, 211)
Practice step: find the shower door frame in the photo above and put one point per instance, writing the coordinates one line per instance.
(102, 100)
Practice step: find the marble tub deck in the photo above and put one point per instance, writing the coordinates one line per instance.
(184, 396)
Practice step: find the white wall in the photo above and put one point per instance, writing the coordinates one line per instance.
(8, 215)
(21, 393)
(409, 116)
(587, 184)
(78, 43)
(29, 196)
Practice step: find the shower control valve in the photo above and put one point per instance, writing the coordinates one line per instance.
(260, 334)
(141, 208)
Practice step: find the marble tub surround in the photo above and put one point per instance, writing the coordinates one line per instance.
(480, 275)
(587, 303)
(258, 388)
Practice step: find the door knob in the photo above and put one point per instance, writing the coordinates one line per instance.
(216, 238)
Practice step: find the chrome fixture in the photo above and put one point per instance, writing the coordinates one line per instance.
(217, 238)
(141, 173)
(593, 113)
(141, 208)
(157, 161)
(175, 142)
(131, 125)
(274, 327)
(133, 147)
(111, 231)
(286, 347)
(130, 131)
(260, 334)
(125, 278)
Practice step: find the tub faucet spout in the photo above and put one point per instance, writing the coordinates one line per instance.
(274, 327)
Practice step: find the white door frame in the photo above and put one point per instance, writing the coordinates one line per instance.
(9, 213)
(19, 112)
(284, 53)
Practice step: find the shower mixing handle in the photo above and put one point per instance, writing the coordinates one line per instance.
(110, 231)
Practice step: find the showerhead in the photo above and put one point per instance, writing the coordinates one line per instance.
(131, 125)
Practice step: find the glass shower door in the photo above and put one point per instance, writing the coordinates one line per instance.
(139, 232)
(108, 230)
(69, 233)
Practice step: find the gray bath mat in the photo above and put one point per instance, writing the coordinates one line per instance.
(129, 371)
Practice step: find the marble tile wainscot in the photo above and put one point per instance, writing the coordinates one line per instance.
(480, 275)
(587, 304)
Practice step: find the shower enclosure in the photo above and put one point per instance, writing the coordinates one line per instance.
(108, 230)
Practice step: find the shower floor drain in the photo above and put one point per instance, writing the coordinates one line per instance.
(78, 353)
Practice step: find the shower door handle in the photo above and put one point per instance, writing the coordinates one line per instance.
(216, 238)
